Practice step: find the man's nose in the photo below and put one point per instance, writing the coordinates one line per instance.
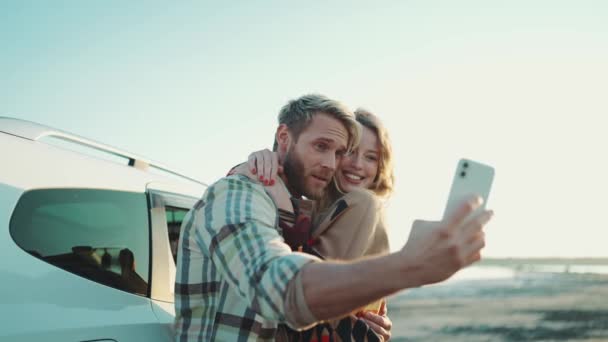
(329, 161)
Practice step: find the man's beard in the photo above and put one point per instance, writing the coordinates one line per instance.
(293, 168)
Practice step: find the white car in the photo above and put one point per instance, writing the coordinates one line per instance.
(87, 243)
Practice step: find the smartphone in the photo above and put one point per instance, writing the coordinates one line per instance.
(470, 178)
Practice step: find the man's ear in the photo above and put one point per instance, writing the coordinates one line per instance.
(283, 138)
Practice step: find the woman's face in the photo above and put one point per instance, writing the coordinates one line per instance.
(359, 169)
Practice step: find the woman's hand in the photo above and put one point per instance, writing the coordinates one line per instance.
(379, 323)
(265, 164)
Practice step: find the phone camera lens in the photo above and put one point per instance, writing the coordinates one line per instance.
(465, 165)
(463, 174)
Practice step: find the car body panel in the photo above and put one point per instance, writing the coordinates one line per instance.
(40, 301)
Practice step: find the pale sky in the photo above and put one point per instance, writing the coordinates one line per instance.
(197, 85)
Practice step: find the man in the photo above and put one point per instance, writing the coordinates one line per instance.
(236, 278)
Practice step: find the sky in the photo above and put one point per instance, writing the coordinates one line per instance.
(197, 85)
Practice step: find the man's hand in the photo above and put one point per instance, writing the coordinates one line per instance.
(380, 323)
(433, 253)
(440, 249)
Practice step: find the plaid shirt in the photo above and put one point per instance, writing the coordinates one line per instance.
(233, 266)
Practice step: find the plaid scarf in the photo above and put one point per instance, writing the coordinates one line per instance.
(297, 232)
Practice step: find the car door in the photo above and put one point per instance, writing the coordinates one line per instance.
(169, 204)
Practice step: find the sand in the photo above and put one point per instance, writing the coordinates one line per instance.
(528, 307)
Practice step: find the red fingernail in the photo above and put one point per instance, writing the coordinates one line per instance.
(272, 182)
(254, 171)
(262, 178)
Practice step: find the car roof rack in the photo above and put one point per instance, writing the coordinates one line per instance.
(34, 131)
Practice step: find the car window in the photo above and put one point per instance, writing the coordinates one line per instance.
(168, 210)
(174, 207)
(101, 235)
(175, 217)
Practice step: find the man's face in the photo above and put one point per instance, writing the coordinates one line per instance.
(311, 161)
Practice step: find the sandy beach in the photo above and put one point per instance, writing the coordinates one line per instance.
(528, 306)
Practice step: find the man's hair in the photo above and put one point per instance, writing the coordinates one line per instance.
(297, 115)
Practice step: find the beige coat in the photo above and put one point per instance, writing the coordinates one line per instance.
(351, 228)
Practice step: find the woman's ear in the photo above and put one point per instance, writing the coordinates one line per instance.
(283, 138)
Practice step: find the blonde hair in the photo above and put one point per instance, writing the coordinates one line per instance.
(383, 185)
(297, 115)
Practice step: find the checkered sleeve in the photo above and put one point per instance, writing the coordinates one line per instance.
(239, 232)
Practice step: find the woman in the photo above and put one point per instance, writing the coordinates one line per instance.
(349, 220)
(365, 171)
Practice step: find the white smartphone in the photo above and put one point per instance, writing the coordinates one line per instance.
(470, 178)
